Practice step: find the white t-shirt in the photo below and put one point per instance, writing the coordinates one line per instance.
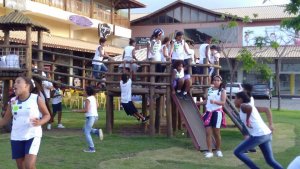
(92, 110)
(202, 52)
(155, 54)
(258, 126)
(179, 74)
(97, 57)
(23, 112)
(163, 58)
(213, 94)
(128, 53)
(57, 97)
(178, 52)
(46, 85)
(190, 55)
(125, 91)
(251, 101)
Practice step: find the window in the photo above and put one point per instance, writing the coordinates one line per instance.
(162, 19)
(194, 15)
(154, 20)
(186, 14)
(211, 18)
(169, 16)
(202, 17)
(177, 15)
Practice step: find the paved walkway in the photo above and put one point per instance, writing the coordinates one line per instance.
(286, 103)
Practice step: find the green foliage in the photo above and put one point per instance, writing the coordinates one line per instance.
(260, 41)
(275, 45)
(265, 71)
(292, 8)
(255, 15)
(247, 19)
(246, 58)
(232, 24)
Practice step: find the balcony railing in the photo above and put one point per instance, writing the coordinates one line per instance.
(52, 3)
(84, 8)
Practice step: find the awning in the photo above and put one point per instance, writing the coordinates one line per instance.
(61, 42)
(126, 4)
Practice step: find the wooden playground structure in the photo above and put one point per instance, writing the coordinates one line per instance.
(154, 87)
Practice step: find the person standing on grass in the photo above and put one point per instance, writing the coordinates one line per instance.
(214, 117)
(259, 133)
(47, 87)
(126, 101)
(91, 116)
(26, 132)
(56, 94)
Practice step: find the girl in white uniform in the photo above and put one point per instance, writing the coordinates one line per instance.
(129, 55)
(26, 131)
(260, 134)
(179, 48)
(214, 117)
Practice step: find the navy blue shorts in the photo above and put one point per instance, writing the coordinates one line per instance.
(215, 120)
(197, 70)
(129, 108)
(21, 148)
(56, 108)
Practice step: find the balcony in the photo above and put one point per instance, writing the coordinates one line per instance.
(83, 7)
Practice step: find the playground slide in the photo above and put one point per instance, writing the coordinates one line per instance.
(233, 114)
(189, 112)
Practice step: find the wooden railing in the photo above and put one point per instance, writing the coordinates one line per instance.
(102, 15)
(53, 3)
(122, 21)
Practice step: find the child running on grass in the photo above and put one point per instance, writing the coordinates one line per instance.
(91, 115)
(260, 134)
(26, 132)
(125, 85)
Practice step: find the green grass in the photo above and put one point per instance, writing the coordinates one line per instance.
(62, 149)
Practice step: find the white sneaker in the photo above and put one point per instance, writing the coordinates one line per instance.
(219, 153)
(49, 127)
(209, 155)
(60, 126)
(100, 134)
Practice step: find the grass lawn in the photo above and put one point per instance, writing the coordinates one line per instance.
(62, 149)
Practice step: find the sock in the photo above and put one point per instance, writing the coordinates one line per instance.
(178, 91)
(184, 93)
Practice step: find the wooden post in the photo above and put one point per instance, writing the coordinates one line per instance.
(144, 108)
(40, 53)
(205, 79)
(168, 112)
(83, 73)
(53, 66)
(109, 110)
(71, 72)
(174, 117)
(28, 58)
(5, 90)
(92, 9)
(152, 98)
(157, 115)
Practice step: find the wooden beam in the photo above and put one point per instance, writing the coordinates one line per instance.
(109, 109)
(28, 56)
(40, 53)
(152, 99)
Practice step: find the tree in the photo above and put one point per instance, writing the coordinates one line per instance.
(293, 8)
(244, 56)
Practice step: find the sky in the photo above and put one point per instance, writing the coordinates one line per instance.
(153, 5)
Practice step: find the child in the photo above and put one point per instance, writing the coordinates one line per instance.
(214, 117)
(214, 57)
(56, 105)
(180, 80)
(91, 115)
(165, 51)
(26, 132)
(204, 53)
(179, 48)
(125, 85)
(100, 55)
(129, 55)
(260, 134)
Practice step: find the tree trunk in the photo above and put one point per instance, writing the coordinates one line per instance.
(277, 69)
